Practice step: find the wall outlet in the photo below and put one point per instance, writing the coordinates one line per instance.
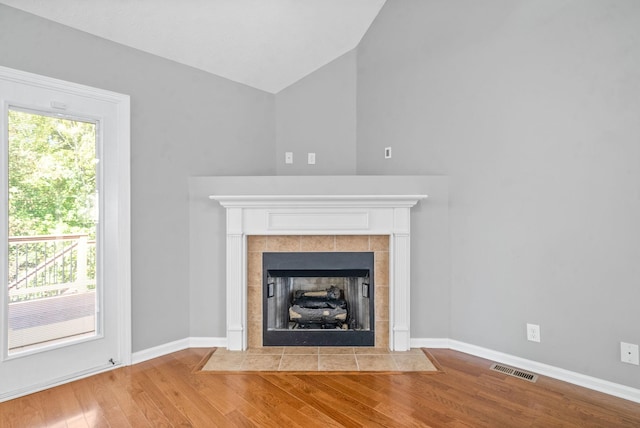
(533, 332)
(288, 157)
(311, 158)
(387, 152)
(629, 353)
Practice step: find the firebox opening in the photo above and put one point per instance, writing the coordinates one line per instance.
(318, 299)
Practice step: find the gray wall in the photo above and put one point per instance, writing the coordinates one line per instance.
(318, 114)
(532, 109)
(184, 122)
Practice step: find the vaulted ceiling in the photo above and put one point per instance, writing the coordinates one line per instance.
(266, 44)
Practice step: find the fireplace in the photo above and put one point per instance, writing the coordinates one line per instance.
(317, 215)
(318, 299)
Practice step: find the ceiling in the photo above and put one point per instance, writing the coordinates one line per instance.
(266, 44)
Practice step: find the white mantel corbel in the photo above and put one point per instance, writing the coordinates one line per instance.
(318, 215)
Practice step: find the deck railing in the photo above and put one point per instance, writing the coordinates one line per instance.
(50, 265)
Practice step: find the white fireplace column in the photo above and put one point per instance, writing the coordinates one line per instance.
(318, 215)
(236, 281)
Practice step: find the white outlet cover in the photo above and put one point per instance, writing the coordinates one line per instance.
(533, 332)
(629, 353)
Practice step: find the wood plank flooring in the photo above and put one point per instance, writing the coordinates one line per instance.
(169, 391)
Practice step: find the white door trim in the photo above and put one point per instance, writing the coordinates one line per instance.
(122, 266)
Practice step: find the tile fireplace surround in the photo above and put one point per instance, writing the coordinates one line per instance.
(340, 217)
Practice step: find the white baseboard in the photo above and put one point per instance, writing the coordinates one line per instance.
(178, 345)
(159, 351)
(430, 343)
(207, 342)
(605, 386)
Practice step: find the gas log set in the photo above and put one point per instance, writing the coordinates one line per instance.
(319, 309)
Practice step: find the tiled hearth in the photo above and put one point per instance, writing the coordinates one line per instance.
(312, 359)
(256, 245)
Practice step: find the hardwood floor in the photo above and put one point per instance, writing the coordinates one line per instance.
(169, 391)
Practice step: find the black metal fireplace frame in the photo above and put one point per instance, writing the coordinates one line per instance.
(312, 264)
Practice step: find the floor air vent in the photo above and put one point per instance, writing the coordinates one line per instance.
(514, 372)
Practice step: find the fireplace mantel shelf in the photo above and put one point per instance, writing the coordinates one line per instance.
(261, 201)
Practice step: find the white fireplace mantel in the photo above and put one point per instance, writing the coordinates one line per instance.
(318, 215)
